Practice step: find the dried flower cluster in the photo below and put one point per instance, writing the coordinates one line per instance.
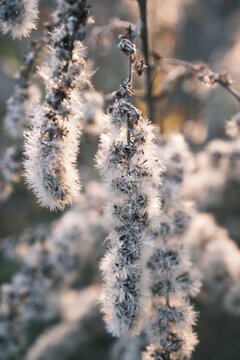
(170, 316)
(52, 144)
(129, 162)
(18, 17)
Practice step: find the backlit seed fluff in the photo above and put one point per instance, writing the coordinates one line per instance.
(18, 17)
(128, 160)
(50, 168)
(52, 144)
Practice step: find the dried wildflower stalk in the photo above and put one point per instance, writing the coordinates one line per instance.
(170, 316)
(25, 94)
(206, 75)
(18, 17)
(52, 144)
(144, 37)
(128, 160)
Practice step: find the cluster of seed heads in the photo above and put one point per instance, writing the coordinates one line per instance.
(52, 144)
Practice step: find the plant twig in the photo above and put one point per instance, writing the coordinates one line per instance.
(144, 36)
(207, 76)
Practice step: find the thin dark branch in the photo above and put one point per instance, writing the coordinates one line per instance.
(144, 37)
(130, 69)
(231, 90)
(132, 37)
(167, 300)
(206, 75)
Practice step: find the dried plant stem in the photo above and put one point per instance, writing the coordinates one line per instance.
(130, 75)
(144, 37)
(132, 172)
(53, 140)
(36, 48)
(206, 74)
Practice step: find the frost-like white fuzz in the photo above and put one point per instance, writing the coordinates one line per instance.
(18, 17)
(179, 346)
(51, 160)
(128, 160)
(171, 271)
(170, 329)
(53, 142)
(170, 317)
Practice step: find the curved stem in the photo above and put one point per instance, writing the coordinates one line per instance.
(202, 69)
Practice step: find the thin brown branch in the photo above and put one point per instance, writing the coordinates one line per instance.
(206, 75)
(172, 76)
